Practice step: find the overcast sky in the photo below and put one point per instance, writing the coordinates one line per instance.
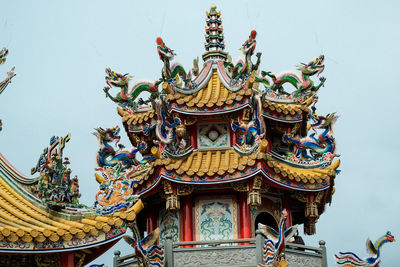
(61, 48)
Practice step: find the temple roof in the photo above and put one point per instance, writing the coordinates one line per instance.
(226, 165)
(136, 118)
(211, 162)
(214, 93)
(305, 175)
(286, 111)
(25, 220)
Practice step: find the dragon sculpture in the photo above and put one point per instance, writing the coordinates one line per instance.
(302, 84)
(250, 131)
(176, 73)
(246, 66)
(125, 96)
(114, 195)
(172, 136)
(147, 253)
(350, 259)
(116, 167)
(107, 156)
(311, 147)
(274, 248)
(166, 55)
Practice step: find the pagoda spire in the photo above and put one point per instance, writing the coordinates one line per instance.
(214, 43)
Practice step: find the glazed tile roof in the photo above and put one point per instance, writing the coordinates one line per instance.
(214, 93)
(212, 162)
(204, 164)
(288, 108)
(22, 220)
(303, 174)
(136, 118)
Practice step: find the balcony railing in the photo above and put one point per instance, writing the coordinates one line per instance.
(232, 253)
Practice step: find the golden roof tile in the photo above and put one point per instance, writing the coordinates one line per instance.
(135, 118)
(21, 219)
(302, 174)
(288, 108)
(214, 93)
(211, 162)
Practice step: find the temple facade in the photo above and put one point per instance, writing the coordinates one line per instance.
(222, 148)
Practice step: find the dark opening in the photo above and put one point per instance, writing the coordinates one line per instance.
(266, 219)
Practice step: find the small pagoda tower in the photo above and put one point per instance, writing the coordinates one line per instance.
(223, 146)
(214, 36)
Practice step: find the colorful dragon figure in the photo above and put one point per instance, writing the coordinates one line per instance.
(251, 131)
(176, 74)
(350, 259)
(164, 129)
(114, 195)
(166, 55)
(147, 253)
(126, 97)
(107, 156)
(246, 66)
(318, 147)
(302, 84)
(274, 248)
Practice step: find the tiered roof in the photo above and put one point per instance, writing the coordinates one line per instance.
(272, 133)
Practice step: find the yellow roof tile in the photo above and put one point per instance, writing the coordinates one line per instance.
(302, 174)
(288, 108)
(212, 94)
(210, 162)
(135, 118)
(20, 219)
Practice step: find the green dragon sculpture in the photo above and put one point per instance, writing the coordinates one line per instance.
(125, 97)
(302, 84)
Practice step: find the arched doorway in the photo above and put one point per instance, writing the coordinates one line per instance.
(267, 219)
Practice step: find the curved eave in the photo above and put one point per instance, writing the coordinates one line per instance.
(210, 111)
(24, 248)
(286, 112)
(228, 166)
(25, 226)
(136, 120)
(13, 173)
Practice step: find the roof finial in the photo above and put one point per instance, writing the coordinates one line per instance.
(214, 36)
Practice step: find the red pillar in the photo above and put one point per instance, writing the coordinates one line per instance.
(67, 259)
(244, 217)
(187, 219)
(193, 136)
(151, 220)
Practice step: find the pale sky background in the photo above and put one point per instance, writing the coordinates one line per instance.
(61, 48)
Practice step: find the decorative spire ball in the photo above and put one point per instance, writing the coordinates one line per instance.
(253, 34)
(159, 41)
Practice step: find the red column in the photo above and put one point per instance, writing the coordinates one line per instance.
(187, 219)
(244, 217)
(151, 220)
(193, 136)
(67, 259)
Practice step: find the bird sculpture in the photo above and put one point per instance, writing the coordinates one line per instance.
(146, 252)
(349, 259)
(274, 247)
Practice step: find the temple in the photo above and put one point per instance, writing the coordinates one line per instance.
(223, 154)
(224, 148)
